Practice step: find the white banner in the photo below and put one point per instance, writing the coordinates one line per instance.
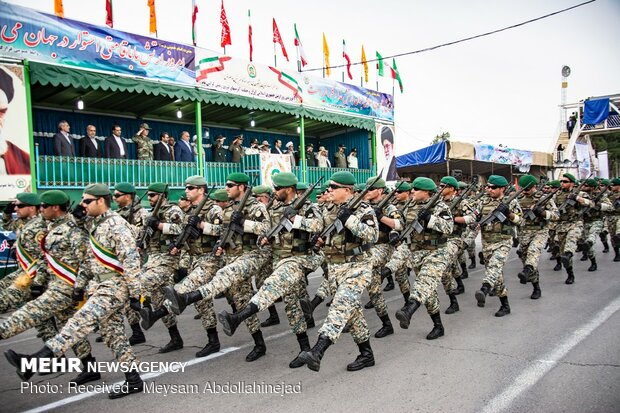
(271, 164)
(603, 164)
(583, 157)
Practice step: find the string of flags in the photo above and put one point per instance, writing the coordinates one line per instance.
(302, 58)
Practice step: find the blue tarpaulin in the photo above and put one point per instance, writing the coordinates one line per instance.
(429, 155)
(595, 111)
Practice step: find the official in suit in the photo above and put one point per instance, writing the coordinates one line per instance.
(183, 150)
(161, 151)
(89, 146)
(276, 147)
(115, 145)
(63, 143)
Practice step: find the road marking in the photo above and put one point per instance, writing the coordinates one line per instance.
(533, 374)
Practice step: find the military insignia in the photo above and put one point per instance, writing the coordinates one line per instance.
(217, 221)
(370, 222)
(39, 236)
(258, 214)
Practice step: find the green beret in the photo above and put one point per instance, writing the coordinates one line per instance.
(125, 187)
(405, 187)
(425, 184)
(359, 187)
(570, 176)
(54, 197)
(591, 182)
(158, 187)
(343, 178)
(28, 198)
(219, 195)
(196, 180)
(238, 177)
(604, 181)
(183, 197)
(528, 181)
(323, 188)
(261, 189)
(615, 181)
(463, 185)
(284, 179)
(377, 185)
(97, 190)
(497, 180)
(301, 186)
(554, 184)
(450, 181)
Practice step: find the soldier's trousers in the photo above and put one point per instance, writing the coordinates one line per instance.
(531, 244)
(614, 228)
(429, 267)
(567, 234)
(54, 303)
(495, 257)
(348, 281)
(401, 275)
(453, 268)
(103, 309)
(590, 235)
(323, 291)
(470, 241)
(11, 296)
(380, 254)
(158, 273)
(287, 280)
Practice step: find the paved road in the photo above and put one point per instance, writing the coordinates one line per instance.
(558, 354)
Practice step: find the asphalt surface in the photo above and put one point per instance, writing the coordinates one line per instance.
(557, 354)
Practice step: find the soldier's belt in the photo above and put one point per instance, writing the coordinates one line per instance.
(105, 276)
(358, 250)
(435, 243)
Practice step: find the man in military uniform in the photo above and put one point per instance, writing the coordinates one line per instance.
(592, 219)
(427, 253)
(604, 184)
(241, 256)
(614, 218)
(64, 248)
(145, 146)
(497, 241)
(347, 249)
(116, 266)
(554, 246)
(402, 202)
(204, 228)
(292, 257)
(539, 209)
(129, 207)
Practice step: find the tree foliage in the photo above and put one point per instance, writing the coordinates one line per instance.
(610, 143)
(444, 136)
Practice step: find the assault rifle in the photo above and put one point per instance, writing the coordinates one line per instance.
(388, 198)
(529, 213)
(187, 230)
(134, 204)
(588, 210)
(456, 201)
(496, 215)
(415, 224)
(291, 211)
(148, 231)
(571, 200)
(233, 228)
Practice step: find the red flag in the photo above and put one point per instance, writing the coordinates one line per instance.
(226, 40)
(194, 15)
(108, 13)
(347, 58)
(250, 34)
(278, 39)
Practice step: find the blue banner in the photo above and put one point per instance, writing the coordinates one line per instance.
(595, 111)
(28, 34)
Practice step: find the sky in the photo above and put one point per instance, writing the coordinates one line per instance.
(504, 88)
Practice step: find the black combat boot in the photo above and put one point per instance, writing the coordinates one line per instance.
(472, 265)
(390, 283)
(309, 306)
(593, 266)
(329, 303)
(567, 260)
(137, 336)
(481, 294)
(385, 273)
(464, 272)
(213, 345)
(571, 276)
(175, 343)
(603, 237)
(454, 304)
(313, 358)
(133, 384)
(460, 287)
(365, 359)
(259, 350)
(150, 316)
(521, 276)
(481, 258)
(272, 320)
(528, 272)
(179, 301)
(558, 265)
(505, 307)
(387, 328)
(616, 253)
(406, 296)
(88, 373)
(404, 314)
(230, 322)
(369, 305)
(536, 293)
(304, 345)
(16, 358)
(437, 330)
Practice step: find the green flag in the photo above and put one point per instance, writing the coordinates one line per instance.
(379, 64)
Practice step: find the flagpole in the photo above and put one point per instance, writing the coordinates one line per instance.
(275, 58)
(298, 60)
(343, 61)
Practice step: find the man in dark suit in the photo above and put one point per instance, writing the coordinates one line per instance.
(115, 145)
(183, 150)
(63, 143)
(276, 147)
(161, 151)
(89, 147)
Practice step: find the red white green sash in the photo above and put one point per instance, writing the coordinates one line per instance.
(105, 257)
(60, 269)
(26, 261)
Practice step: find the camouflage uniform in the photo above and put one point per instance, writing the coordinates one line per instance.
(67, 243)
(614, 224)
(12, 224)
(593, 223)
(570, 225)
(145, 147)
(455, 246)
(139, 218)
(402, 276)
(111, 291)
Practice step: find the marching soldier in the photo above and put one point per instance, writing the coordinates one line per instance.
(539, 209)
(614, 218)
(116, 267)
(497, 241)
(128, 207)
(592, 219)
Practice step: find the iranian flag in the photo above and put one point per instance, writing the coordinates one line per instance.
(210, 65)
(395, 74)
(194, 15)
(346, 57)
(108, 13)
(289, 82)
(278, 39)
(300, 48)
(250, 34)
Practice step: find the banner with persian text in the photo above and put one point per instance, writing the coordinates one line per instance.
(503, 155)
